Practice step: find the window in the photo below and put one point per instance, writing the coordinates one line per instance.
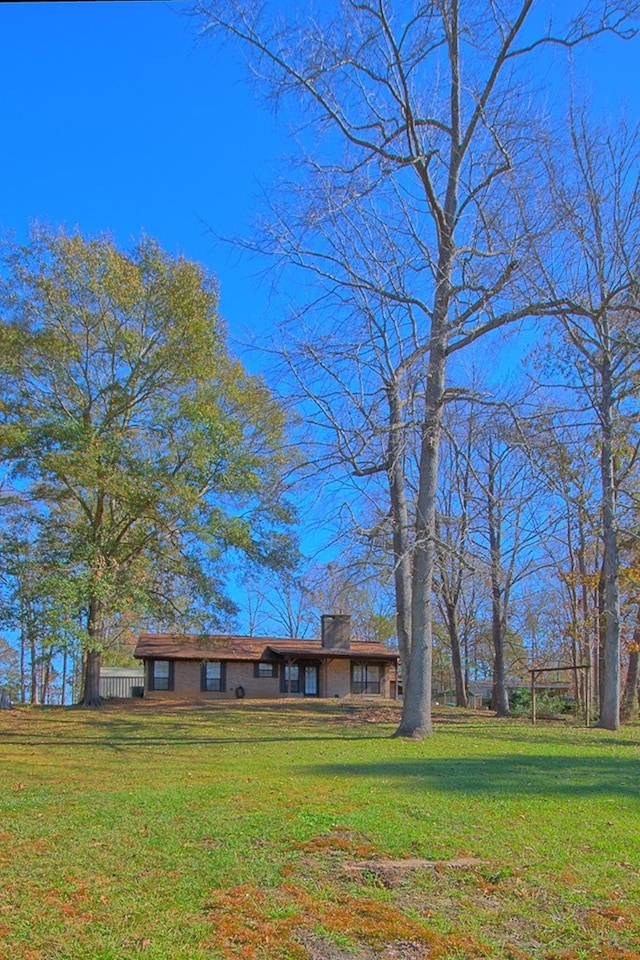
(213, 676)
(265, 669)
(290, 678)
(161, 675)
(366, 677)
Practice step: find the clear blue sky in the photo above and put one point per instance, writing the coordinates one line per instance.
(113, 117)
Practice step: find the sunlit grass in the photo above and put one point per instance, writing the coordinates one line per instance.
(280, 831)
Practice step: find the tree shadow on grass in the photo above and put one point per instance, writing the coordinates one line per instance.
(562, 735)
(120, 736)
(124, 742)
(206, 723)
(535, 774)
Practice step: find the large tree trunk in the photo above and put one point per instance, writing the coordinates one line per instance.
(610, 704)
(91, 685)
(631, 685)
(416, 708)
(499, 694)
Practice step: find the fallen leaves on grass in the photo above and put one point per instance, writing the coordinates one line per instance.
(361, 714)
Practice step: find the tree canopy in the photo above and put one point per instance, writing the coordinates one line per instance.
(129, 428)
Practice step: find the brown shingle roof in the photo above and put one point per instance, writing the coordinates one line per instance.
(172, 646)
(358, 649)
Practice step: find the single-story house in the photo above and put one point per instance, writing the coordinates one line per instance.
(230, 666)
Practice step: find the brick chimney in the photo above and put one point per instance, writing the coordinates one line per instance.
(336, 631)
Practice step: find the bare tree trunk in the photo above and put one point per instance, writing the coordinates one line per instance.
(400, 526)
(91, 686)
(456, 658)
(79, 662)
(600, 213)
(610, 703)
(579, 693)
(416, 709)
(500, 695)
(587, 618)
(452, 531)
(631, 691)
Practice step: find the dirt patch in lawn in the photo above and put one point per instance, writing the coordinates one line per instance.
(318, 948)
(392, 873)
(246, 921)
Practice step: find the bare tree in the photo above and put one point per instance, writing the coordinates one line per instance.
(282, 603)
(593, 271)
(419, 128)
(561, 446)
(504, 512)
(456, 566)
(507, 530)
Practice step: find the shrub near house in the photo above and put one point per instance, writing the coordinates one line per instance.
(230, 666)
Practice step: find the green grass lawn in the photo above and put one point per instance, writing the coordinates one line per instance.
(285, 832)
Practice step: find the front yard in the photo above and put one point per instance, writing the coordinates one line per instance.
(303, 832)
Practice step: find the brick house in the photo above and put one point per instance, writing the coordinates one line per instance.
(223, 666)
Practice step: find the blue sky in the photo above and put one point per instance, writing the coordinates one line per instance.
(114, 117)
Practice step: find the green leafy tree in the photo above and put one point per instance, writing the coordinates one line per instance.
(38, 600)
(9, 669)
(149, 449)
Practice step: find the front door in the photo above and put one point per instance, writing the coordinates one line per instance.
(301, 678)
(310, 680)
